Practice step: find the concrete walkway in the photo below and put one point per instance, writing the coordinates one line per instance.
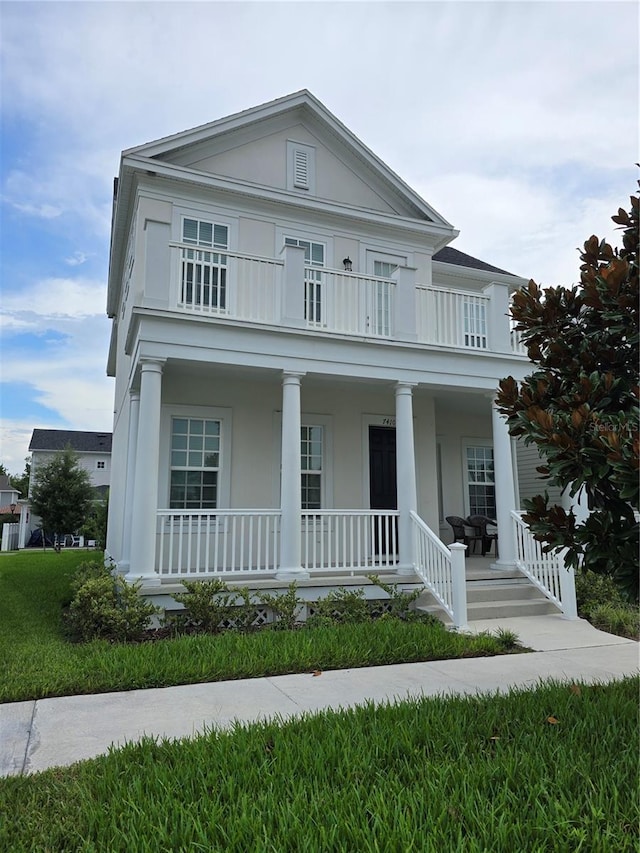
(47, 733)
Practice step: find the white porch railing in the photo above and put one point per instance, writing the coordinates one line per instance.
(218, 541)
(451, 317)
(517, 345)
(547, 571)
(348, 303)
(349, 540)
(441, 569)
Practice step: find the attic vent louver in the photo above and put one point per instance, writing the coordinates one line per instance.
(301, 166)
(301, 169)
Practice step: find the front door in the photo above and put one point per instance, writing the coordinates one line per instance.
(382, 484)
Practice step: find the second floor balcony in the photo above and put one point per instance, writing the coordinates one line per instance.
(290, 292)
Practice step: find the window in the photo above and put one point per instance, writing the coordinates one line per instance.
(481, 481)
(204, 273)
(195, 463)
(475, 323)
(311, 464)
(314, 254)
(99, 464)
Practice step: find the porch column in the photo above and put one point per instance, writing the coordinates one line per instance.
(134, 419)
(505, 491)
(290, 481)
(145, 490)
(405, 303)
(406, 475)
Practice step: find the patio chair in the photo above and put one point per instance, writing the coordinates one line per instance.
(464, 532)
(480, 523)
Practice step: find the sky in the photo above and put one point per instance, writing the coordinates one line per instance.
(517, 121)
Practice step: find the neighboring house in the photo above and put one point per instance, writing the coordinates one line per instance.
(304, 368)
(8, 496)
(94, 455)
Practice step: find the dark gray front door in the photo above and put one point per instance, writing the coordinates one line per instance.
(382, 483)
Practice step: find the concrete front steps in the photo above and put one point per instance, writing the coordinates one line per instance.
(495, 594)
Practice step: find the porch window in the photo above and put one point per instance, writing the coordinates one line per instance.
(204, 273)
(314, 256)
(475, 324)
(195, 463)
(481, 481)
(311, 464)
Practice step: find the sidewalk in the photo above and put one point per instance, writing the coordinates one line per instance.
(45, 733)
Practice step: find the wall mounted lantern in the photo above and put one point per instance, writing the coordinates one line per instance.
(348, 266)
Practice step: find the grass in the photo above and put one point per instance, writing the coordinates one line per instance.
(36, 660)
(554, 769)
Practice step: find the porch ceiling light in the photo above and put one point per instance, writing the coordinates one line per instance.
(348, 266)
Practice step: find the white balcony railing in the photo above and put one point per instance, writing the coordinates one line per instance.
(348, 303)
(451, 318)
(546, 571)
(218, 542)
(349, 540)
(239, 286)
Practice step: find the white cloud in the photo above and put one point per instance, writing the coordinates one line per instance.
(44, 211)
(77, 259)
(56, 298)
(15, 437)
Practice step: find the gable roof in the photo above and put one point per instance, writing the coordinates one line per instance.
(60, 439)
(307, 106)
(449, 255)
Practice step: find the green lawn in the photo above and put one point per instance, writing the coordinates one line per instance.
(554, 769)
(37, 661)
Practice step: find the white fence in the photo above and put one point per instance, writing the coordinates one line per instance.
(441, 569)
(349, 540)
(349, 303)
(218, 542)
(547, 571)
(10, 537)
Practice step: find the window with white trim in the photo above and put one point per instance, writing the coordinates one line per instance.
(195, 463)
(480, 480)
(311, 464)
(314, 257)
(203, 280)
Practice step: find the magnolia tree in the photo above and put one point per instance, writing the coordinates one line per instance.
(62, 494)
(580, 404)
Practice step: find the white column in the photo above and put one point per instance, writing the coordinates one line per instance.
(290, 481)
(145, 489)
(505, 490)
(134, 418)
(406, 475)
(498, 330)
(405, 304)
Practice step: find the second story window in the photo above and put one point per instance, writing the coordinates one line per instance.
(203, 285)
(99, 464)
(314, 255)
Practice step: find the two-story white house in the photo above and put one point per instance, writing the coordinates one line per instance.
(304, 368)
(93, 450)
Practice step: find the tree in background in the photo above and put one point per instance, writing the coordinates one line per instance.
(21, 483)
(580, 405)
(62, 494)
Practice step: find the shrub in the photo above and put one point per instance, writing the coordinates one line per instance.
(622, 619)
(211, 606)
(340, 607)
(285, 606)
(400, 602)
(107, 607)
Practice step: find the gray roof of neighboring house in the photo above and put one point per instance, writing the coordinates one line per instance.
(82, 442)
(460, 259)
